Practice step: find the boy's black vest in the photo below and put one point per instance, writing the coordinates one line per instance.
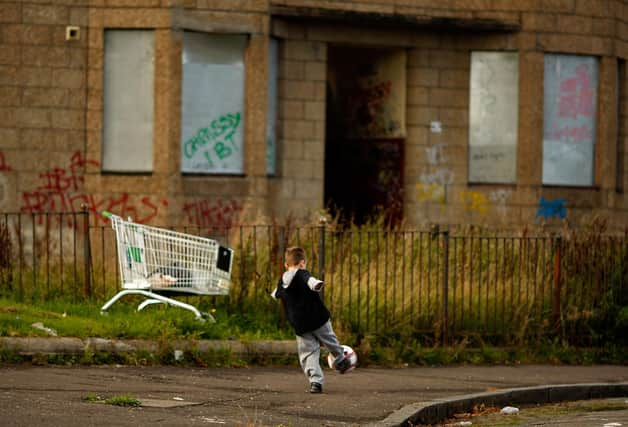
(304, 307)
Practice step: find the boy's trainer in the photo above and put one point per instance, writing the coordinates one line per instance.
(343, 366)
(316, 388)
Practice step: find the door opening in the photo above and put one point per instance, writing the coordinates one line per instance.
(365, 130)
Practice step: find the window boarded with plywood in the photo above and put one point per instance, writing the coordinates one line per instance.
(129, 69)
(569, 115)
(212, 133)
(493, 117)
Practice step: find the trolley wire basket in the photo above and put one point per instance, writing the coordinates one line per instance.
(161, 264)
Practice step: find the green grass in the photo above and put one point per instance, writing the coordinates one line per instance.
(83, 320)
(163, 324)
(92, 397)
(117, 400)
(123, 400)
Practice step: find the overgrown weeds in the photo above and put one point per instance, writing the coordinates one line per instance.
(520, 288)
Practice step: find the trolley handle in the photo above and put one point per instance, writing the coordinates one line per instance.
(112, 217)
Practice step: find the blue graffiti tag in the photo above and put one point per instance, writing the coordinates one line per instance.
(551, 209)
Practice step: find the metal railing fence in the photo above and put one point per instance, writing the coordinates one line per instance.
(438, 284)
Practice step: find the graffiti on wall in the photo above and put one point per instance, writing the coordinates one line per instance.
(576, 98)
(432, 186)
(430, 192)
(548, 209)
(214, 213)
(366, 107)
(499, 199)
(370, 88)
(4, 167)
(216, 141)
(474, 201)
(62, 190)
(436, 154)
(5, 188)
(569, 119)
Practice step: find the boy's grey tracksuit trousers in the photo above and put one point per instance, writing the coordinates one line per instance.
(309, 348)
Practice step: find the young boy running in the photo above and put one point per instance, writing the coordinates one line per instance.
(309, 317)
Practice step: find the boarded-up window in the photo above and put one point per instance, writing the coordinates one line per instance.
(570, 103)
(128, 101)
(212, 134)
(271, 123)
(493, 117)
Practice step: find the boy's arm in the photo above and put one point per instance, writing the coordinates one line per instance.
(276, 293)
(315, 284)
(312, 282)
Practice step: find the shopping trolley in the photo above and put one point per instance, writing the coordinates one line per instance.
(160, 264)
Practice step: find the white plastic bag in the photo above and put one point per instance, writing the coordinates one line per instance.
(509, 410)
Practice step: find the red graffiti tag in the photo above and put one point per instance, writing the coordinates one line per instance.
(581, 133)
(62, 190)
(373, 95)
(218, 214)
(141, 213)
(3, 164)
(576, 95)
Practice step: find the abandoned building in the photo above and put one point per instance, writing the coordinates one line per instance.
(211, 112)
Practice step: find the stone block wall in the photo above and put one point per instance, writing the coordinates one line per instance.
(436, 188)
(42, 105)
(51, 107)
(298, 189)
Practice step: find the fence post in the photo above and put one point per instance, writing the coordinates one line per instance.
(557, 284)
(282, 248)
(87, 252)
(445, 293)
(321, 247)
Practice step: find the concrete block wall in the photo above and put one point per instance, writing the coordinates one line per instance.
(298, 190)
(435, 181)
(166, 196)
(42, 105)
(51, 101)
(51, 111)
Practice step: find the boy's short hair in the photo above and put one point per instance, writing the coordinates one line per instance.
(294, 255)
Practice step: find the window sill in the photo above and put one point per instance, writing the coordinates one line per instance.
(126, 173)
(211, 175)
(570, 187)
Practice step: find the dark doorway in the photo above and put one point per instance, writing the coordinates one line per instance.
(364, 134)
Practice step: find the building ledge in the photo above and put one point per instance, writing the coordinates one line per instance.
(397, 21)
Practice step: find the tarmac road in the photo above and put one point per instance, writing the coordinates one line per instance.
(175, 396)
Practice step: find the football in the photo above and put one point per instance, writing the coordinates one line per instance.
(349, 354)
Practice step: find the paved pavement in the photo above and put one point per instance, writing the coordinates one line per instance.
(268, 396)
